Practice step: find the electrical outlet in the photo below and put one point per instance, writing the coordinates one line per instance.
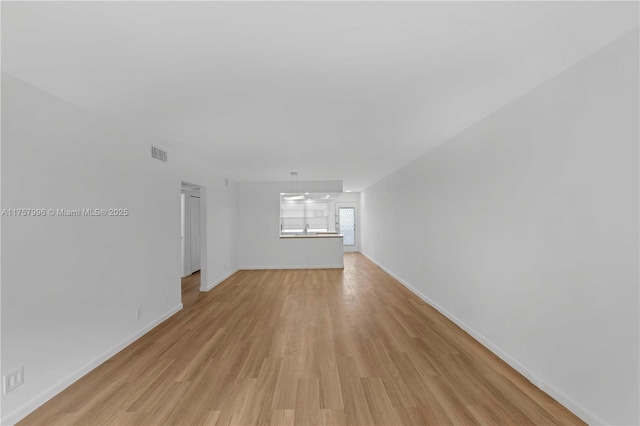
(138, 313)
(13, 380)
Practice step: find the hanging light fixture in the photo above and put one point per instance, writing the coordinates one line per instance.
(294, 175)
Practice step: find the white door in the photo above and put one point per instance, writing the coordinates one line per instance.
(347, 224)
(195, 232)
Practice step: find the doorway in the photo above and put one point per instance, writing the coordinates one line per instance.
(347, 225)
(192, 231)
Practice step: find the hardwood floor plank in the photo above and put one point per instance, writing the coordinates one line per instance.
(382, 411)
(333, 417)
(237, 403)
(307, 410)
(450, 401)
(207, 418)
(355, 401)
(303, 347)
(282, 417)
(409, 416)
(330, 389)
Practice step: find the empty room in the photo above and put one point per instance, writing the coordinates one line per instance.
(320, 213)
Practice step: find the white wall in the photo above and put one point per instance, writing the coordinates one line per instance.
(71, 285)
(524, 229)
(259, 242)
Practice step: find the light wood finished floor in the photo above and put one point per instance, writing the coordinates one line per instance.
(305, 347)
(190, 289)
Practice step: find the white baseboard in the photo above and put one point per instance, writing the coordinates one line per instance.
(27, 408)
(215, 283)
(256, 268)
(556, 394)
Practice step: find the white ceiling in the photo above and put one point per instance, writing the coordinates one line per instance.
(336, 91)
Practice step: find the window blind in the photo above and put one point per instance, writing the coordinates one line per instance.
(294, 215)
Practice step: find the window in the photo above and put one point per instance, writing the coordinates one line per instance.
(300, 211)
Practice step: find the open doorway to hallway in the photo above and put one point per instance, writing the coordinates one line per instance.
(192, 230)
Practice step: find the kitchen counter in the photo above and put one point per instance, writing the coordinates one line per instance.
(319, 235)
(322, 250)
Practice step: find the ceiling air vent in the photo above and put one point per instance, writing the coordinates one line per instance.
(158, 154)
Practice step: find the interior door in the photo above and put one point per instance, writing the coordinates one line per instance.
(347, 225)
(195, 232)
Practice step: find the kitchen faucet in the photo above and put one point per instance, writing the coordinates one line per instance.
(306, 229)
